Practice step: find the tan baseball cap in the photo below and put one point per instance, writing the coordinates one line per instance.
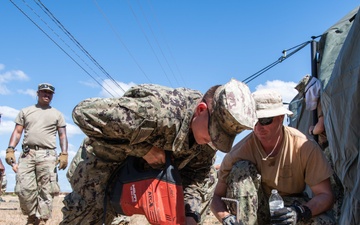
(233, 111)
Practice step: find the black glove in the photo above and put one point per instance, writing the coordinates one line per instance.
(230, 220)
(291, 215)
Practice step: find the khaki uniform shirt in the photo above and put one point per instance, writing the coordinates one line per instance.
(40, 125)
(299, 162)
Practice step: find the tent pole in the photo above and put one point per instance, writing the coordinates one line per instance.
(314, 73)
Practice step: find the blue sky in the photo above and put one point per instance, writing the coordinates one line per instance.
(194, 44)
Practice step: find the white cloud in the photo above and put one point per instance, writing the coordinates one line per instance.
(8, 112)
(110, 89)
(72, 130)
(286, 89)
(31, 92)
(9, 76)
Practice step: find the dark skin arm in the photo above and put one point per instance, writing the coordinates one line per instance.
(16, 135)
(14, 140)
(63, 140)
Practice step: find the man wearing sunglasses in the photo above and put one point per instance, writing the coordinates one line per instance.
(273, 156)
(36, 174)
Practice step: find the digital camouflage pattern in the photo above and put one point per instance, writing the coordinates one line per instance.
(244, 185)
(233, 111)
(146, 116)
(28, 183)
(3, 183)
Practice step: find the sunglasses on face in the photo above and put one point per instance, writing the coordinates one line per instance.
(265, 121)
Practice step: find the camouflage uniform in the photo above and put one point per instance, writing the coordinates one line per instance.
(244, 185)
(146, 116)
(3, 180)
(28, 182)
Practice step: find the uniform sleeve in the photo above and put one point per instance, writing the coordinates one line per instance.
(61, 120)
(110, 122)
(20, 118)
(199, 179)
(317, 166)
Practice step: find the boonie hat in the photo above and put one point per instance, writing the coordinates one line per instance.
(46, 86)
(269, 103)
(233, 111)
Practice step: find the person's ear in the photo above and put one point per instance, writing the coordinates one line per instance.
(201, 107)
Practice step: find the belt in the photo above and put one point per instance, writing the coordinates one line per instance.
(36, 147)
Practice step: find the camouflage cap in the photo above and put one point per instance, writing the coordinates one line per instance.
(233, 111)
(300, 87)
(46, 86)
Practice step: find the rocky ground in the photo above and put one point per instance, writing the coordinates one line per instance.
(10, 213)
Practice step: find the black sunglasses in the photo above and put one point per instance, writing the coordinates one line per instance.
(266, 121)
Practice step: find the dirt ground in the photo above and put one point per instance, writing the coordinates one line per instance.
(10, 213)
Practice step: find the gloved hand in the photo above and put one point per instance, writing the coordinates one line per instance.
(63, 161)
(230, 220)
(10, 156)
(291, 215)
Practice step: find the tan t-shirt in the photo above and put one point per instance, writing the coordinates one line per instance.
(40, 125)
(299, 162)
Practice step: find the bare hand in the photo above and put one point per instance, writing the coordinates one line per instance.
(15, 167)
(155, 157)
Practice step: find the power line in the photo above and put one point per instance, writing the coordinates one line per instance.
(56, 43)
(147, 39)
(119, 38)
(73, 39)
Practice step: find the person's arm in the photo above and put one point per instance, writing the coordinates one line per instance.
(218, 206)
(318, 128)
(10, 151)
(16, 135)
(323, 198)
(199, 180)
(63, 139)
(63, 156)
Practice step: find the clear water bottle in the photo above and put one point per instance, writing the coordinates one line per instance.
(275, 201)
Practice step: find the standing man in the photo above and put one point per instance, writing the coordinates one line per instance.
(147, 120)
(273, 156)
(36, 179)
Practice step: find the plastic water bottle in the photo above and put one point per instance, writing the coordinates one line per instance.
(275, 201)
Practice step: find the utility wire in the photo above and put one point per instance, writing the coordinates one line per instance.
(167, 45)
(57, 44)
(119, 38)
(59, 24)
(148, 41)
(285, 56)
(157, 42)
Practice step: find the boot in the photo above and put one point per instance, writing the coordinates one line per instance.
(42, 221)
(31, 220)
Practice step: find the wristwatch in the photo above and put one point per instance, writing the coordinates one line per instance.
(194, 215)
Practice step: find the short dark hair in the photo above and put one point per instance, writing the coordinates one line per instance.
(209, 96)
